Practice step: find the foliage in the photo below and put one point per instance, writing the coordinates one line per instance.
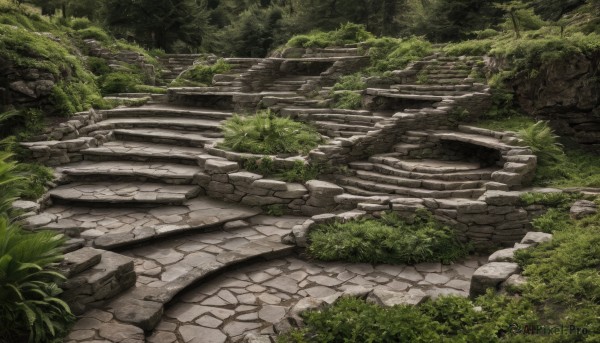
(150, 89)
(29, 304)
(94, 32)
(553, 199)
(578, 169)
(300, 171)
(551, 221)
(10, 182)
(513, 123)
(563, 279)
(540, 138)
(119, 82)
(388, 54)
(348, 33)
(201, 74)
(446, 319)
(387, 240)
(349, 100)
(350, 82)
(265, 133)
(35, 178)
(275, 210)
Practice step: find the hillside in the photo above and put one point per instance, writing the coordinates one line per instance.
(299, 171)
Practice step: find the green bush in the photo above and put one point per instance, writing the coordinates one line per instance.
(119, 82)
(300, 172)
(98, 66)
(348, 33)
(350, 82)
(29, 304)
(94, 32)
(446, 319)
(202, 74)
(348, 100)
(387, 240)
(80, 23)
(553, 220)
(265, 133)
(35, 178)
(388, 54)
(10, 182)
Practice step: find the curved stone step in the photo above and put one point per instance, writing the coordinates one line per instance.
(172, 137)
(166, 111)
(144, 151)
(416, 183)
(156, 122)
(425, 166)
(121, 170)
(120, 193)
(476, 139)
(374, 188)
(473, 175)
(341, 118)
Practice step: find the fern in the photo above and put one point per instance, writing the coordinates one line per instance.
(543, 142)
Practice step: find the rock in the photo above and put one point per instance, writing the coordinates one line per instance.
(141, 313)
(490, 276)
(582, 209)
(322, 189)
(389, 298)
(118, 333)
(254, 338)
(214, 166)
(504, 255)
(77, 261)
(26, 206)
(500, 198)
(536, 238)
(515, 280)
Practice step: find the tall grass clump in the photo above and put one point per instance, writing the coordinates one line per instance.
(348, 33)
(201, 74)
(265, 133)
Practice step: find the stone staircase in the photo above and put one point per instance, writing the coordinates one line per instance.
(142, 181)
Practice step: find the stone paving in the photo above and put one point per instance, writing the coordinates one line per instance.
(253, 298)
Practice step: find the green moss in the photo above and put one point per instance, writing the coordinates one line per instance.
(388, 240)
(94, 32)
(119, 82)
(150, 89)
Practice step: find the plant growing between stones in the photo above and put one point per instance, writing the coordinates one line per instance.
(348, 100)
(265, 133)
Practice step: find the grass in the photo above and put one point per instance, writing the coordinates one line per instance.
(201, 74)
(388, 54)
(349, 100)
(387, 240)
(265, 133)
(300, 171)
(347, 34)
(350, 82)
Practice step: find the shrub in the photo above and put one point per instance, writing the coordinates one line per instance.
(446, 319)
(388, 54)
(553, 220)
(387, 240)
(10, 182)
(348, 33)
(301, 172)
(540, 138)
(469, 48)
(98, 66)
(94, 32)
(350, 82)
(80, 23)
(29, 306)
(348, 100)
(119, 82)
(265, 133)
(202, 74)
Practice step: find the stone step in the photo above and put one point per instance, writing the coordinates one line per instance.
(434, 76)
(80, 260)
(144, 152)
(329, 125)
(446, 81)
(293, 111)
(122, 193)
(374, 188)
(483, 174)
(425, 166)
(340, 118)
(171, 137)
(477, 139)
(424, 88)
(157, 123)
(165, 111)
(113, 274)
(125, 171)
(416, 183)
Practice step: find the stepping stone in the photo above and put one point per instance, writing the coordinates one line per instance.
(104, 192)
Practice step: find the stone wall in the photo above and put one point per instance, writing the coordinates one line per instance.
(496, 218)
(566, 92)
(120, 60)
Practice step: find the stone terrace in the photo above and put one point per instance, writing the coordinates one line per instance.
(168, 242)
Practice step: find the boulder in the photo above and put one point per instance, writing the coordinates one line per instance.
(490, 276)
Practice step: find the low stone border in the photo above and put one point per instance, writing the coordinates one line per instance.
(496, 218)
(502, 271)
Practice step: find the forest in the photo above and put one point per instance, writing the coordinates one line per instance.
(252, 28)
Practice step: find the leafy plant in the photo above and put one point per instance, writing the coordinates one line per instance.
(347, 34)
(350, 82)
(201, 74)
(301, 172)
(29, 306)
(540, 138)
(387, 240)
(10, 182)
(119, 82)
(265, 133)
(388, 54)
(347, 100)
